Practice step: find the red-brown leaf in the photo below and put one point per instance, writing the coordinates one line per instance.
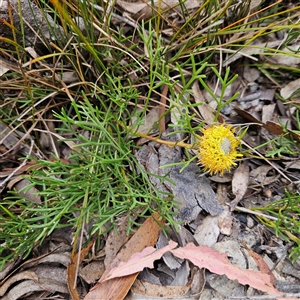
(205, 257)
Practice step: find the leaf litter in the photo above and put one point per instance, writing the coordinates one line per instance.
(206, 219)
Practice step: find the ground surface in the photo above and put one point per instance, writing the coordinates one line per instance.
(103, 148)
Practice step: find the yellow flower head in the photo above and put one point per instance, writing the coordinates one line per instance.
(217, 149)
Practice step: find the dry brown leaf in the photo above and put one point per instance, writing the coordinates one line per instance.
(3, 69)
(153, 290)
(278, 130)
(52, 279)
(147, 289)
(194, 192)
(72, 267)
(170, 262)
(117, 288)
(261, 264)
(132, 7)
(252, 49)
(92, 272)
(267, 94)
(251, 74)
(39, 278)
(14, 140)
(270, 126)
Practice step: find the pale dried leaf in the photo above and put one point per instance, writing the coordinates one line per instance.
(207, 232)
(292, 165)
(13, 139)
(267, 94)
(132, 7)
(32, 52)
(268, 112)
(115, 240)
(147, 126)
(6, 65)
(288, 90)
(3, 69)
(68, 77)
(204, 109)
(170, 261)
(260, 175)
(144, 10)
(63, 258)
(249, 50)
(287, 59)
(194, 192)
(251, 74)
(240, 183)
(21, 289)
(221, 285)
(52, 279)
(254, 4)
(18, 277)
(31, 194)
(233, 250)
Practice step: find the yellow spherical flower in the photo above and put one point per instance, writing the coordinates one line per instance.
(217, 149)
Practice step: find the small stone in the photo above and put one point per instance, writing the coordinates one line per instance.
(268, 193)
(250, 222)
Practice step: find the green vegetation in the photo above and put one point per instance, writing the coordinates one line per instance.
(286, 223)
(97, 75)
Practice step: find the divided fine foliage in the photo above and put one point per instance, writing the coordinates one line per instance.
(100, 181)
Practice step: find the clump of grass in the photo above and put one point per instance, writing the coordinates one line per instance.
(285, 219)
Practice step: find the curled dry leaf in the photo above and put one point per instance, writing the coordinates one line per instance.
(23, 288)
(26, 275)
